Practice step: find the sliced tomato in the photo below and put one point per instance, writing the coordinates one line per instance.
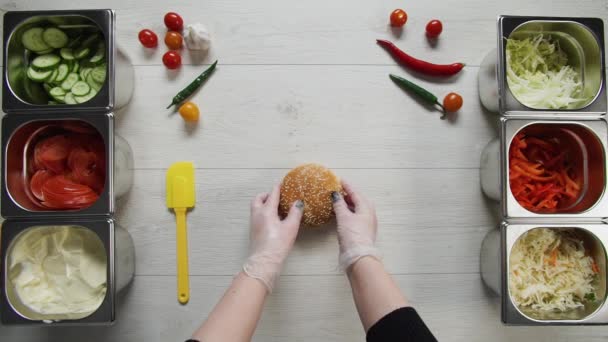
(38, 180)
(59, 192)
(87, 168)
(52, 153)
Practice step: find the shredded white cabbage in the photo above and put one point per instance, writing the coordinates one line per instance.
(550, 271)
(538, 74)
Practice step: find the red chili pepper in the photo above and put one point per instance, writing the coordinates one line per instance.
(420, 65)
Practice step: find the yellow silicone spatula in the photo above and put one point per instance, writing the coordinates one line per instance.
(180, 197)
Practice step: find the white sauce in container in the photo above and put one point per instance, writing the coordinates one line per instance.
(58, 272)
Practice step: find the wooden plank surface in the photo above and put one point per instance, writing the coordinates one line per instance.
(302, 81)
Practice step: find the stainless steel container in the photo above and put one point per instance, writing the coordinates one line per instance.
(30, 117)
(120, 254)
(17, 133)
(20, 95)
(496, 255)
(583, 127)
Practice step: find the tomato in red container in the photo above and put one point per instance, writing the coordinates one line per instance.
(68, 167)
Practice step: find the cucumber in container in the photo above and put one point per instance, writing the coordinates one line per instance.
(69, 63)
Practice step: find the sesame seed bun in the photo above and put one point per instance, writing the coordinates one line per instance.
(313, 184)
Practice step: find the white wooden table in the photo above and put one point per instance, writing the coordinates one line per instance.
(303, 81)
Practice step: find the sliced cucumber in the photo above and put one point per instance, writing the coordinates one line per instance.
(82, 52)
(91, 40)
(47, 61)
(45, 51)
(99, 74)
(99, 54)
(69, 98)
(84, 72)
(80, 88)
(32, 39)
(38, 76)
(57, 92)
(53, 102)
(67, 54)
(53, 75)
(91, 82)
(69, 81)
(76, 66)
(55, 38)
(75, 42)
(62, 72)
(47, 87)
(85, 98)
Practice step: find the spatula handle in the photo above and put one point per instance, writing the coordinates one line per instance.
(183, 285)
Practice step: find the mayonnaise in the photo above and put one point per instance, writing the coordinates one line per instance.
(59, 271)
(197, 37)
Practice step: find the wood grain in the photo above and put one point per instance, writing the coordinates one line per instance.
(281, 116)
(309, 308)
(302, 81)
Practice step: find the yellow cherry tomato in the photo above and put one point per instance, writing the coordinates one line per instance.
(189, 111)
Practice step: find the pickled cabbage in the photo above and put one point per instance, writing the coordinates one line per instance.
(550, 271)
(539, 76)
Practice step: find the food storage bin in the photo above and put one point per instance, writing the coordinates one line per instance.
(117, 248)
(579, 133)
(20, 135)
(21, 94)
(586, 140)
(582, 39)
(495, 259)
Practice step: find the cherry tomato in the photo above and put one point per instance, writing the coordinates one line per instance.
(434, 28)
(174, 22)
(398, 18)
(172, 60)
(173, 40)
(189, 111)
(148, 38)
(452, 102)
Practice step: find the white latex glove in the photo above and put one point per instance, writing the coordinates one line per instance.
(357, 226)
(271, 238)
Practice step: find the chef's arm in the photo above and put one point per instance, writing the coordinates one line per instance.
(374, 291)
(236, 315)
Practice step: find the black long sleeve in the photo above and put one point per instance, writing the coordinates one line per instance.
(401, 325)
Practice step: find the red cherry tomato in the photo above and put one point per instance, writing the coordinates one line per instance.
(148, 38)
(452, 102)
(172, 60)
(434, 28)
(398, 18)
(174, 22)
(173, 40)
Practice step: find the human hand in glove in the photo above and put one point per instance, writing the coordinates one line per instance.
(357, 226)
(271, 238)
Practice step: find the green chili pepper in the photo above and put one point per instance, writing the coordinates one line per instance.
(192, 87)
(416, 89)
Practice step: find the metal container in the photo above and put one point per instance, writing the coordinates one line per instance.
(495, 259)
(582, 128)
(120, 253)
(588, 137)
(19, 134)
(582, 39)
(22, 96)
